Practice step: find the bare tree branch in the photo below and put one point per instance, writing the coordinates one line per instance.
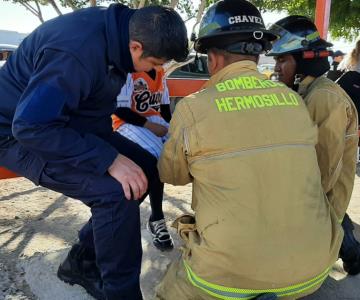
(199, 14)
(174, 3)
(141, 3)
(187, 20)
(39, 12)
(36, 13)
(54, 5)
(92, 3)
(133, 4)
(29, 8)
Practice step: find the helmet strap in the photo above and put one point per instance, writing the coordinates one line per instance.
(297, 81)
(298, 78)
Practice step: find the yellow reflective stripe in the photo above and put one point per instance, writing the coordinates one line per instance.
(210, 27)
(228, 293)
(312, 36)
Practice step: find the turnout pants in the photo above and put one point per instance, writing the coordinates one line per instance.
(114, 228)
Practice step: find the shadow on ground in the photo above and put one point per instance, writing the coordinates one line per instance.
(37, 228)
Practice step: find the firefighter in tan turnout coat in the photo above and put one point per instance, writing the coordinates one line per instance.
(301, 62)
(262, 226)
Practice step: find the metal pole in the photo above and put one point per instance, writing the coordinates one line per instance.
(322, 17)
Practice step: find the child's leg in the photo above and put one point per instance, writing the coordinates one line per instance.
(156, 199)
(153, 144)
(143, 137)
(148, 141)
(157, 225)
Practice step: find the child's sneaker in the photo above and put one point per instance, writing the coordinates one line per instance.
(160, 235)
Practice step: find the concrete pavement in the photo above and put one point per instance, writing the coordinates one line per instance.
(38, 226)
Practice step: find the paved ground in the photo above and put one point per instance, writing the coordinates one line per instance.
(37, 228)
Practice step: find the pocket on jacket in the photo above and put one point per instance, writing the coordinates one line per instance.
(184, 225)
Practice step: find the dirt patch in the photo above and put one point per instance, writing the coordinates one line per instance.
(37, 227)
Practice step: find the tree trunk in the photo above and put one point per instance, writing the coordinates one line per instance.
(133, 4)
(141, 3)
(53, 4)
(40, 16)
(92, 3)
(33, 10)
(199, 15)
(174, 3)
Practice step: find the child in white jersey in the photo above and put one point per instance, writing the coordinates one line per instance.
(142, 116)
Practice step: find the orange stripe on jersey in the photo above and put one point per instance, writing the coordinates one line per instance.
(147, 94)
(116, 122)
(146, 97)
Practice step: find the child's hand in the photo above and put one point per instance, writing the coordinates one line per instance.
(157, 129)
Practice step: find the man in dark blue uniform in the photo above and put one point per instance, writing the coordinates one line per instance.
(57, 92)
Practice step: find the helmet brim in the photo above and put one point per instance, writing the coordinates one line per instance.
(321, 44)
(290, 42)
(202, 44)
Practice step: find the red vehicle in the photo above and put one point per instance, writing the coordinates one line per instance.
(188, 78)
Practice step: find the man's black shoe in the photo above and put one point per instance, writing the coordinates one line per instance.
(76, 270)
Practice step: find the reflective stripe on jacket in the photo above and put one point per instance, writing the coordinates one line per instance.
(228, 293)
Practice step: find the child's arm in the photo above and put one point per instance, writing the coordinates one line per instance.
(129, 116)
(165, 112)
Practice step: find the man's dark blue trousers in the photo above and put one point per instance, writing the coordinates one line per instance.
(114, 228)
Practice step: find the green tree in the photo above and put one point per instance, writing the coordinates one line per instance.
(186, 7)
(344, 18)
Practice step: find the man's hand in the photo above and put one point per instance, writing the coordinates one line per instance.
(157, 129)
(130, 175)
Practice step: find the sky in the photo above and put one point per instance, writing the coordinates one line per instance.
(16, 18)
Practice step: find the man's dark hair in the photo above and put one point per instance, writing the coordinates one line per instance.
(161, 31)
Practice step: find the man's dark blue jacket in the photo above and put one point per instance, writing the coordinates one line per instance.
(59, 88)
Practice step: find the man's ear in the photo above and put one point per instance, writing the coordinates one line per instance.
(217, 62)
(212, 61)
(135, 46)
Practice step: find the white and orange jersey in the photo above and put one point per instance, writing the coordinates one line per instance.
(143, 94)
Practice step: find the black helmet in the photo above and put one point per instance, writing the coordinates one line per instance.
(233, 25)
(297, 34)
